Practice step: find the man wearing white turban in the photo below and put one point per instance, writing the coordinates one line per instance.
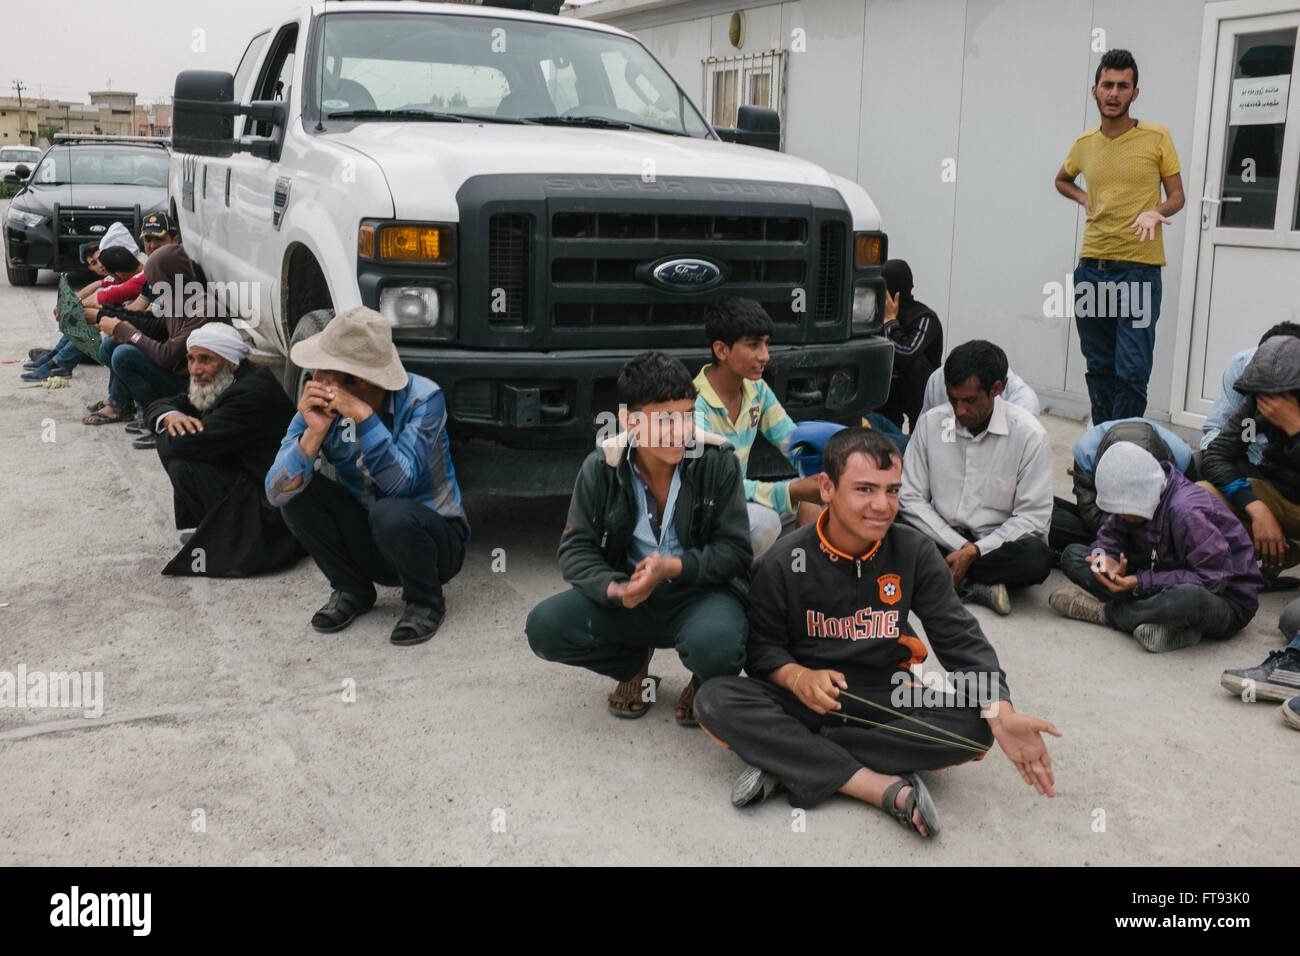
(216, 443)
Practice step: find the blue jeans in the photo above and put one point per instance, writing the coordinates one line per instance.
(1115, 311)
(880, 423)
(133, 376)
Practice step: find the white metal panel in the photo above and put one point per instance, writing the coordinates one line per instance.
(823, 82)
(911, 110)
(1013, 233)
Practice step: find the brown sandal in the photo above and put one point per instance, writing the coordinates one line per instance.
(101, 417)
(630, 692)
(685, 709)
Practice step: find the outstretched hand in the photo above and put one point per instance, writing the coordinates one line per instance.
(1019, 736)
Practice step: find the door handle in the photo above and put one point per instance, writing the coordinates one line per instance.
(1221, 199)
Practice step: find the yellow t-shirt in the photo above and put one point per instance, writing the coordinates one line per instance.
(1123, 177)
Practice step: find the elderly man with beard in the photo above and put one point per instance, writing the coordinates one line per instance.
(216, 442)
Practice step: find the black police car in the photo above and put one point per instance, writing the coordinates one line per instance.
(80, 188)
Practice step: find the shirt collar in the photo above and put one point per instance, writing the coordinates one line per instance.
(748, 390)
(998, 423)
(821, 533)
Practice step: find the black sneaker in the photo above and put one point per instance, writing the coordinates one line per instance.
(37, 354)
(1278, 678)
(135, 426)
(418, 623)
(340, 611)
(992, 596)
(145, 442)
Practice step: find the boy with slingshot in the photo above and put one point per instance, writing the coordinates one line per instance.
(831, 647)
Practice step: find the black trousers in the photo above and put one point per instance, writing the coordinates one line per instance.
(1017, 564)
(1068, 526)
(398, 541)
(815, 755)
(197, 488)
(1182, 606)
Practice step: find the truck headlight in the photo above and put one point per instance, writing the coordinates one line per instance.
(864, 308)
(417, 307)
(28, 220)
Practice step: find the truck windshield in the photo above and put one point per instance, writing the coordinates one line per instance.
(101, 165)
(498, 70)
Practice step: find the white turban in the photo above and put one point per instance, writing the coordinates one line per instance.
(221, 338)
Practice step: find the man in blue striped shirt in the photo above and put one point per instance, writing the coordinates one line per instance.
(394, 516)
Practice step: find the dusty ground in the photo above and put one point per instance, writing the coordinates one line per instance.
(226, 737)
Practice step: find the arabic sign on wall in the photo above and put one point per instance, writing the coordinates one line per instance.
(1259, 100)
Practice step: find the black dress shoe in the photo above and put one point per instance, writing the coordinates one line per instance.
(145, 441)
(34, 354)
(418, 623)
(340, 611)
(135, 427)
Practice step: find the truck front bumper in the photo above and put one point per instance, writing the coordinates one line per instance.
(522, 421)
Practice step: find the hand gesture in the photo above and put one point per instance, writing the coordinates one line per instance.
(1114, 576)
(817, 690)
(1282, 410)
(314, 407)
(959, 561)
(345, 403)
(1144, 226)
(180, 424)
(1270, 543)
(1018, 736)
(891, 306)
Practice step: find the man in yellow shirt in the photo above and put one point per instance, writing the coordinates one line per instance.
(1117, 282)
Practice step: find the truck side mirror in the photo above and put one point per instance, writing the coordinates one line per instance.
(22, 172)
(204, 113)
(755, 126)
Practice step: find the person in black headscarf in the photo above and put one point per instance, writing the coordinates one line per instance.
(917, 334)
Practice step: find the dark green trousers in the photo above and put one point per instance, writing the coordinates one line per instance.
(707, 628)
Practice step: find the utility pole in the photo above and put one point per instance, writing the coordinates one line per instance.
(19, 85)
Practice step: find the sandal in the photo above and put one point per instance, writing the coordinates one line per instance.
(97, 406)
(101, 417)
(919, 798)
(684, 712)
(630, 692)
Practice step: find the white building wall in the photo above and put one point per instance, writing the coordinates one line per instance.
(887, 91)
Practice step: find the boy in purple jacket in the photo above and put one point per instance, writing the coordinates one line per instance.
(1171, 565)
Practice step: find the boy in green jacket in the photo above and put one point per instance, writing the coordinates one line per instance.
(656, 548)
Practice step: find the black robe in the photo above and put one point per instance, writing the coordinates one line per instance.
(242, 534)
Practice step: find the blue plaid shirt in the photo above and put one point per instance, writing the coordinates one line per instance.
(401, 453)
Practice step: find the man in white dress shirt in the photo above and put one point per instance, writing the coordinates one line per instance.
(977, 481)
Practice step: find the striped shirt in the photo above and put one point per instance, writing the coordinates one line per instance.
(402, 453)
(760, 414)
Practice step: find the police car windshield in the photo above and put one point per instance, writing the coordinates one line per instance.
(103, 165)
(493, 69)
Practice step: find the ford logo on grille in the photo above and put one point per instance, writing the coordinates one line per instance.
(98, 228)
(686, 275)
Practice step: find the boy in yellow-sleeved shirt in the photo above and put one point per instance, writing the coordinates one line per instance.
(735, 402)
(1117, 285)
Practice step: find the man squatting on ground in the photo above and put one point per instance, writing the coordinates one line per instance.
(829, 617)
(736, 403)
(656, 548)
(1171, 564)
(977, 480)
(216, 442)
(394, 516)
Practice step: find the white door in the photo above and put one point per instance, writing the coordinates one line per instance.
(1244, 260)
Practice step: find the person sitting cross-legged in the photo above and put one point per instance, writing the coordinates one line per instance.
(1171, 565)
(977, 481)
(394, 516)
(656, 548)
(216, 441)
(830, 704)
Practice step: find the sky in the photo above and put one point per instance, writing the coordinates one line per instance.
(84, 48)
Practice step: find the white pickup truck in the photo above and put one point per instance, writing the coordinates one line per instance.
(530, 201)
